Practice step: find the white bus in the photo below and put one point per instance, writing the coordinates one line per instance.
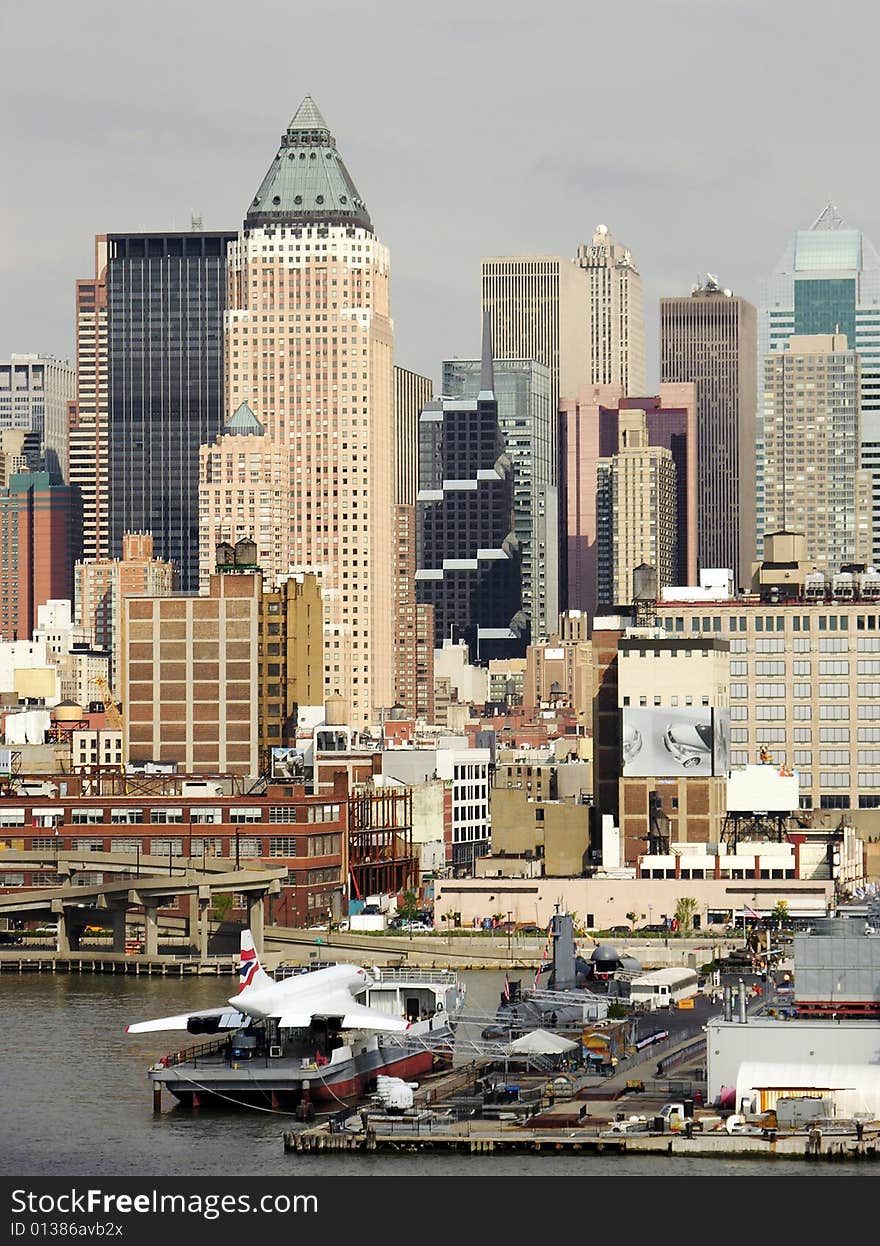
(663, 988)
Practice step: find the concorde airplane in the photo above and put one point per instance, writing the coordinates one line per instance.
(325, 995)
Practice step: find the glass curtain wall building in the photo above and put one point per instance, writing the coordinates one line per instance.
(827, 281)
(166, 297)
(522, 391)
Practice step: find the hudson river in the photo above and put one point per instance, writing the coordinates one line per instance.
(76, 1100)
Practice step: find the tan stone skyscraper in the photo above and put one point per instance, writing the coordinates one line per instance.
(539, 308)
(617, 313)
(309, 343)
(635, 511)
(812, 436)
(87, 415)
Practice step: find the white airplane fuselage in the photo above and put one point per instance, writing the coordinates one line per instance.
(303, 990)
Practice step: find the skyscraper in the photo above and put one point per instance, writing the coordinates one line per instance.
(166, 295)
(527, 421)
(309, 344)
(589, 431)
(828, 281)
(617, 314)
(635, 511)
(38, 526)
(539, 308)
(710, 339)
(35, 391)
(87, 454)
(243, 493)
(812, 480)
(468, 557)
(412, 393)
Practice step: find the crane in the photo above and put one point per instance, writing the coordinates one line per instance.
(111, 709)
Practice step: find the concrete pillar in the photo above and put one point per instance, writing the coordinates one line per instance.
(204, 926)
(151, 930)
(255, 918)
(192, 924)
(117, 916)
(62, 939)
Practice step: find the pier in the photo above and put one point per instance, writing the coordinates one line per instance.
(116, 962)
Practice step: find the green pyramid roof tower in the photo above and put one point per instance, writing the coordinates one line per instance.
(307, 183)
(244, 423)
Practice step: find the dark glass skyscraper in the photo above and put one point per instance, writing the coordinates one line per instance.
(166, 296)
(468, 557)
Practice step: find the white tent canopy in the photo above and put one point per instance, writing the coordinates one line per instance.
(540, 1043)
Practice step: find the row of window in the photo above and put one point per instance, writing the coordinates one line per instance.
(166, 816)
(194, 846)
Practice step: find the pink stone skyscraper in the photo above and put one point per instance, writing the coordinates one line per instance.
(309, 346)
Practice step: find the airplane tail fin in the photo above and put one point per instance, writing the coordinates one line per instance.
(250, 971)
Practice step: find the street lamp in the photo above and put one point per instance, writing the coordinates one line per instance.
(509, 933)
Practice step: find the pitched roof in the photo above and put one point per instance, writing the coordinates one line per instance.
(307, 182)
(243, 421)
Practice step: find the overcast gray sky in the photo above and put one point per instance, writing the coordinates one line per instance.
(702, 132)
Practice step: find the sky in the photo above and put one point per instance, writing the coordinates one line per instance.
(702, 132)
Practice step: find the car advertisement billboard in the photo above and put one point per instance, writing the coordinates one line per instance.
(287, 763)
(664, 742)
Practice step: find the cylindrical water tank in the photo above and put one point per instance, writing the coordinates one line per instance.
(336, 711)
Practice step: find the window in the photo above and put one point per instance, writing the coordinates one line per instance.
(869, 690)
(15, 817)
(126, 816)
(833, 778)
(837, 690)
(838, 667)
(869, 711)
(834, 711)
(324, 845)
(282, 846)
(739, 692)
(205, 814)
(739, 757)
(834, 757)
(167, 847)
(47, 817)
(126, 845)
(282, 813)
(868, 735)
(86, 817)
(834, 735)
(869, 779)
(323, 813)
(800, 668)
(770, 690)
(199, 847)
(776, 645)
(769, 713)
(739, 668)
(833, 644)
(86, 844)
(329, 874)
(739, 735)
(40, 843)
(803, 757)
(164, 815)
(802, 735)
(738, 713)
(245, 813)
(769, 668)
(801, 690)
(247, 847)
(870, 666)
(801, 644)
(770, 735)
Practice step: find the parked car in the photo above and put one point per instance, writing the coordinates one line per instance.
(653, 928)
(10, 939)
(620, 930)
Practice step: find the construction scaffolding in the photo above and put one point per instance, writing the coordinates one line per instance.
(380, 841)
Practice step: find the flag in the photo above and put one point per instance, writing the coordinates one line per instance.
(537, 977)
(751, 913)
(506, 992)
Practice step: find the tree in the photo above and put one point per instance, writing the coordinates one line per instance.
(410, 907)
(780, 914)
(632, 918)
(616, 1011)
(221, 906)
(684, 914)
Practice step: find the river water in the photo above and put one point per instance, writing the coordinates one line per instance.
(76, 1100)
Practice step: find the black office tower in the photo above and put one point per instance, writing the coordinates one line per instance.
(467, 556)
(166, 298)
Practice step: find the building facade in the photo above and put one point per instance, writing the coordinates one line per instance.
(590, 430)
(291, 657)
(243, 495)
(710, 339)
(309, 348)
(468, 557)
(190, 677)
(539, 309)
(412, 392)
(635, 512)
(35, 391)
(811, 450)
(617, 313)
(828, 281)
(87, 447)
(38, 533)
(528, 424)
(166, 296)
(102, 584)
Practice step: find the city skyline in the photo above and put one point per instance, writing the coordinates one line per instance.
(145, 159)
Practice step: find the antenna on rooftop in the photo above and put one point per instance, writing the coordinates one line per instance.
(195, 222)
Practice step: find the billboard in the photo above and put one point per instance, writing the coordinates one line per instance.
(287, 763)
(763, 789)
(668, 742)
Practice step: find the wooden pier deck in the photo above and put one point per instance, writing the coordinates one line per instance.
(116, 962)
